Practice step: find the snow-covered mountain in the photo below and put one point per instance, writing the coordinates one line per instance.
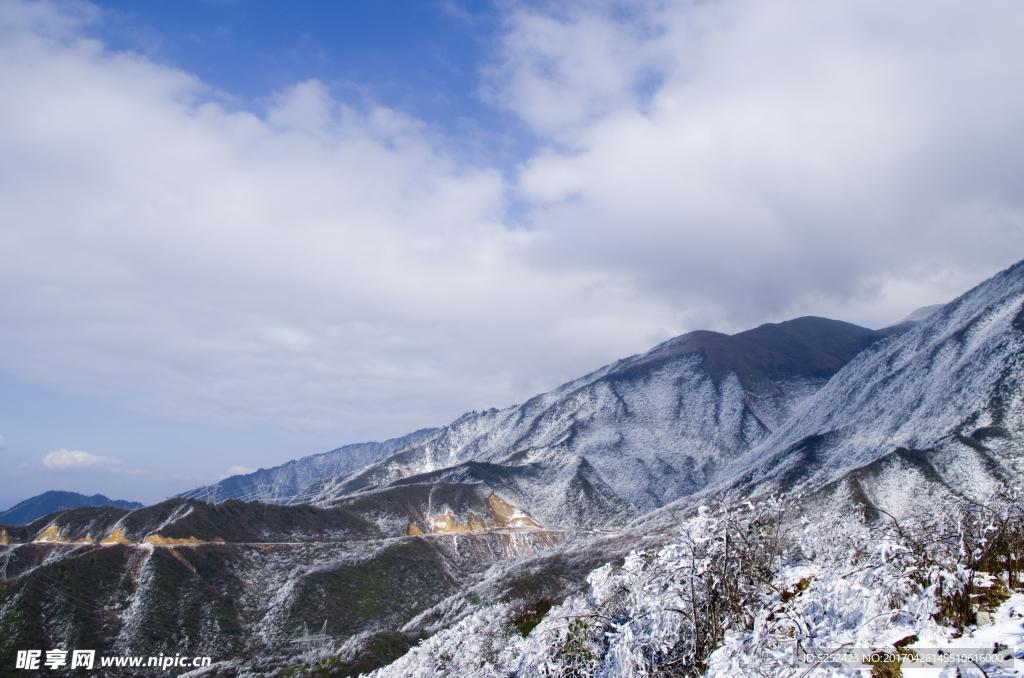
(942, 401)
(635, 435)
(286, 483)
(807, 405)
(497, 511)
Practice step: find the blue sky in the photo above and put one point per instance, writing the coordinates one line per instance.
(423, 58)
(235, 233)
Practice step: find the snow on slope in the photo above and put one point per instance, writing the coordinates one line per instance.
(562, 491)
(945, 386)
(831, 581)
(285, 483)
(918, 315)
(653, 438)
(654, 427)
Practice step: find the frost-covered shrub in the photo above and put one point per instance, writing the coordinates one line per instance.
(744, 587)
(963, 539)
(469, 649)
(667, 611)
(919, 579)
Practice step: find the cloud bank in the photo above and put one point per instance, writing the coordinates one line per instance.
(770, 157)
(330, 267)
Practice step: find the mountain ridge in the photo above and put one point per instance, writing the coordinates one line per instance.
(757, 377)
(648, 425)
(49, 502)
(933, 388)
(287, 481)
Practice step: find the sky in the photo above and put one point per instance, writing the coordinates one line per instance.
(237, 233)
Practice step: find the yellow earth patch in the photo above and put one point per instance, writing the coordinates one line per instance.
(446, 523)
(507, 515)
(159, 540)
(52, 534)
(117, 537)
(500, 514)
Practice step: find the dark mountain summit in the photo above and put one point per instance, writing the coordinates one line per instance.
(808, 347)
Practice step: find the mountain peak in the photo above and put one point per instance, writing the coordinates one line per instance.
(809, 347)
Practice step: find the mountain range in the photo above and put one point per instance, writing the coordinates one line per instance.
(616, 443)
(383, 543)
(29, 510)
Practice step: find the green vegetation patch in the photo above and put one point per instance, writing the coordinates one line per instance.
(547, 582)
(526, 618)
(394, 585)
(192, 614)
(73, 597)
(254, 522)
(381, 649)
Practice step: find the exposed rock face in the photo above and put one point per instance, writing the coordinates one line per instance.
(499, 514)
(441, 507)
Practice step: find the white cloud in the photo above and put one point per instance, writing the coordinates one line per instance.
(714, 164)
(317, 267)
(769, 158)
(240, 471)
(3, 443)
(74, 459)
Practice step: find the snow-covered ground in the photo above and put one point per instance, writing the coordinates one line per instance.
(744, 590)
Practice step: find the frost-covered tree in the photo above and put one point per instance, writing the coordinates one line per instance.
(744, 588)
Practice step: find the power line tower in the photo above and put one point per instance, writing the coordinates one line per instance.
(266, 492)
(315, 646)
(210, 492)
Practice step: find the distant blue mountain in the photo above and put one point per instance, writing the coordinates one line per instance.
(54, 500)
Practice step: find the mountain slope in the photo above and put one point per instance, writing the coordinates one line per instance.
(950, 388)
(563, 490)
(287, 482)
(55, 500)
(234, 579)
(652, 428)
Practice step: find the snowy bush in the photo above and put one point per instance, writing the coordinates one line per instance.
(744, 588)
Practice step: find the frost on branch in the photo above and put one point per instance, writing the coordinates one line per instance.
(744, 587)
